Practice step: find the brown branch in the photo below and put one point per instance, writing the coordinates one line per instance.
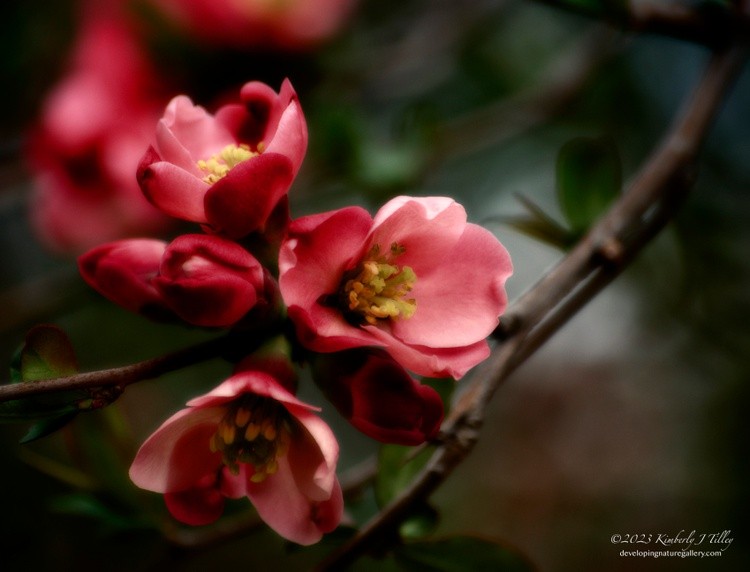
(711, 25)
(649, 203)
(121, 376)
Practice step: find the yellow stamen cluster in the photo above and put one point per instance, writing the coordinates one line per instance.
(219, 165)
(378, 288)
(254, 430)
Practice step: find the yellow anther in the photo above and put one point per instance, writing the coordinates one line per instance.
(378, 288)
(258, 477)
(219, 165)
(252, 431)
(228, 433)
(272, 466)
(242, 417)
(269, 431)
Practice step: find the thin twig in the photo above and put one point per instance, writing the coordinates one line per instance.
(612, 243)
(121, 376)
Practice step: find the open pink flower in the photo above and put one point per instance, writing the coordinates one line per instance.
(228, 171)
(378, 397)
(205, 280)
(89, 139)
(292, 24)
(416, 280)
(249, 437)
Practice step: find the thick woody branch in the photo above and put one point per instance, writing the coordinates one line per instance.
(649, 203)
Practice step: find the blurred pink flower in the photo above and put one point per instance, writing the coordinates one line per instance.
(91, 134)
(378, 397)
(228, 171)
(205, 280)
(249, 437)
(417, 280)
(286, 24)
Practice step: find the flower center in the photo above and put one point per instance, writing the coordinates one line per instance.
(377, 289)
(229, 157)
(254, 430)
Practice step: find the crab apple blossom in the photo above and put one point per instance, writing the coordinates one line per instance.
(227, 171)
(291, 24)
(416, 280)
(249, 437)
(378, 397)
(90, 136)
(205, 280)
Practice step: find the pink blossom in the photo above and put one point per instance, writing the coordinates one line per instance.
(91, 134)
(292, 24)
(376, 395)
(249, 437)
(416, 280)
(205, 280)
(230, 170)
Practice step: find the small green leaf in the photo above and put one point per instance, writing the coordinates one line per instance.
(540, 226)
(47, 354)
(423, 521)
(40, 407)
(397, 466)
(109, 517)
(459, 554)
(48, 426)
(444, 386)
(589, 178)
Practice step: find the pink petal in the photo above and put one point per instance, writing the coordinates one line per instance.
(174, 191)
(257, 382)
(313, 455)
(312, 261)
(263, 112)
(242, 201)
(288, 511)
(177, 455)
(459, 303)
(196, 507)
(431, 362)
(291, 136)
(192, 129)
(123, 270)
(428, 228)
(208, 280)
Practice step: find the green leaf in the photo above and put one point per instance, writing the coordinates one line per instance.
(589, 178)
(47, 354)
(48, 426)
(40, 407)
(397, 466)
(459, 554)
(423, 521)
(444, 386)
(109, 517)
(541, 226)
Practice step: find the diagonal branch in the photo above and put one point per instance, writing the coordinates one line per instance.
(711, 24)
(649, 203)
